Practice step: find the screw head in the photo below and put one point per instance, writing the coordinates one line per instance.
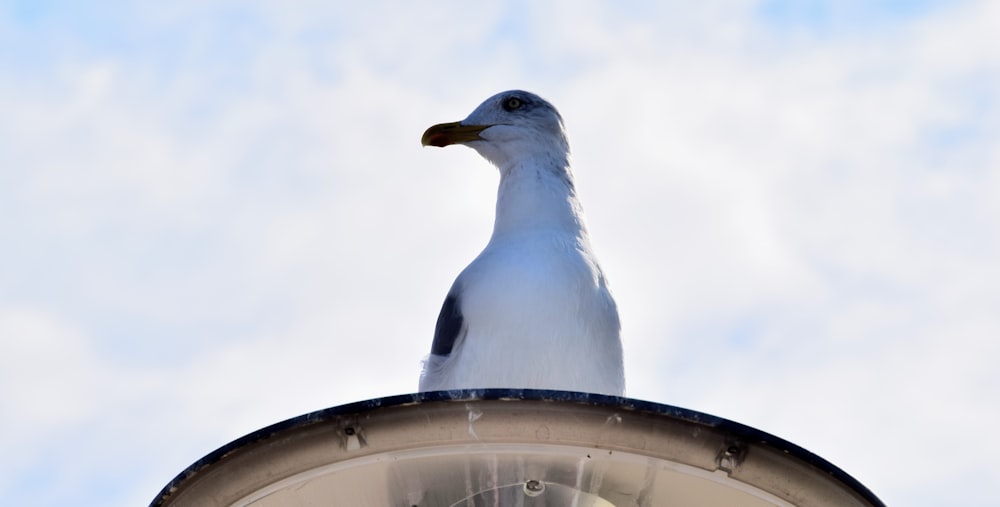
(534, 487)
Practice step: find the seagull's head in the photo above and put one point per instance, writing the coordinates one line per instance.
(506, 127)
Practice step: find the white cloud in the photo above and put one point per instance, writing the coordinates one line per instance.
(44, 360)
(233, 222)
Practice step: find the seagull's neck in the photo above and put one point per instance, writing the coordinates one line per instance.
(536, 194)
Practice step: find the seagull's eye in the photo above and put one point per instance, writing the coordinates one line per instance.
(512, 103)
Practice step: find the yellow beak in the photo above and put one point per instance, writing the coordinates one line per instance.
(444, 134)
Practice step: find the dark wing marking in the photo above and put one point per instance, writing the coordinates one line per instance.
(449, 325)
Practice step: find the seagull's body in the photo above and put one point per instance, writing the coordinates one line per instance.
(533, 310)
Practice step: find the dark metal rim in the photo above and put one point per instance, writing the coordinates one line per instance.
(745, 433)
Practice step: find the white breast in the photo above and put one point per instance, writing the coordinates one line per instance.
(539, 316)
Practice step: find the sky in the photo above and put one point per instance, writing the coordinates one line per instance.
(217, 215)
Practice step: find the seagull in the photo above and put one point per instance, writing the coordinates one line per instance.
(533, 310)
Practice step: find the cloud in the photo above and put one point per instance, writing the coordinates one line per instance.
(224, 219)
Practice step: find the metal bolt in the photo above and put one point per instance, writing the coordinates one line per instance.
(534, 487)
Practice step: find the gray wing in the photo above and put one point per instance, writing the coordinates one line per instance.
(450, 325)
